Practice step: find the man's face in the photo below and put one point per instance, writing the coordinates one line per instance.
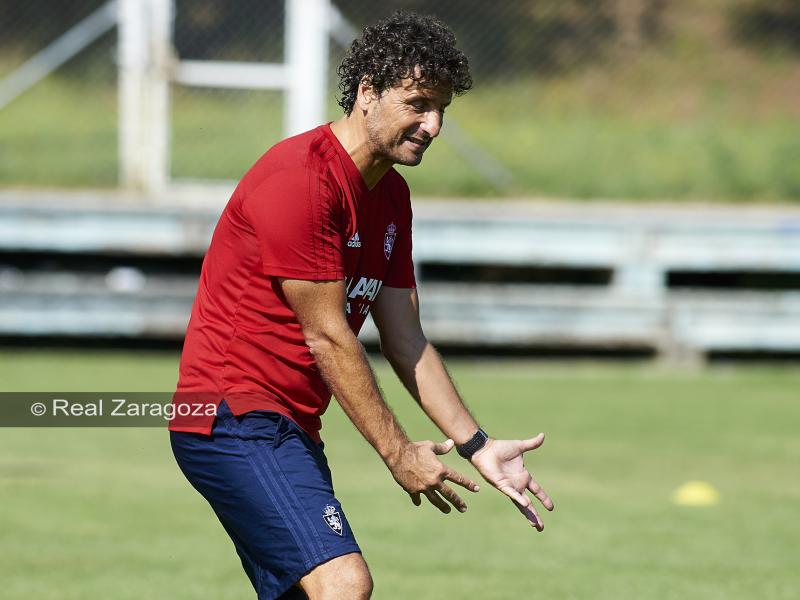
(402, 123)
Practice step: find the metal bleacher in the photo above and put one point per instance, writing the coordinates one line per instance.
(491, 274)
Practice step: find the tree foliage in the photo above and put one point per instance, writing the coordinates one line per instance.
(768, 23)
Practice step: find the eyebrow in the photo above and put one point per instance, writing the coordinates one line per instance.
(417, 96)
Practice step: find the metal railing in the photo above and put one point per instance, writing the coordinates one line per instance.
(633, 306)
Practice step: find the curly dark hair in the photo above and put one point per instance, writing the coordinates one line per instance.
(394, 48)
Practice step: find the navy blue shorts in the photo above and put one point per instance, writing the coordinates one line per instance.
(270, 486)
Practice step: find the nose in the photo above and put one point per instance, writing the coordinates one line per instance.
(432, 123)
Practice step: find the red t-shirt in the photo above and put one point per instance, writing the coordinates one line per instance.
(302, 211)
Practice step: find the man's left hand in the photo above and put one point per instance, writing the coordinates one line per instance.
(500, 463)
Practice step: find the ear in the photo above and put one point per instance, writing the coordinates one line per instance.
(366, 94)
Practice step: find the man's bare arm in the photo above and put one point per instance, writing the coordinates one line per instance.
(418, 364)
(319, 307)
(420, 368)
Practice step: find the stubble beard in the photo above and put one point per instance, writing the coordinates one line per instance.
(384, 147)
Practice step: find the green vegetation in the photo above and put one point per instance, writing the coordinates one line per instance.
(556, 140)
(104, 513)
(686, 101)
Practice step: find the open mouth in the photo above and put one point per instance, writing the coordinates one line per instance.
(419, 144)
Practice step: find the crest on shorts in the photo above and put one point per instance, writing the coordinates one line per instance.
(388, 240)
(333, 519)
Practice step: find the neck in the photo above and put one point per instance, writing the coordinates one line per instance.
(353, 138)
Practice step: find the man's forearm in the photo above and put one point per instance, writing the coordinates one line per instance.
(345, 369)
(425, 377)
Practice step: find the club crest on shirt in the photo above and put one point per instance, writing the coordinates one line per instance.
(332, 519)
(388, 240)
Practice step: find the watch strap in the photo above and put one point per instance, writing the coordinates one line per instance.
(475, 443)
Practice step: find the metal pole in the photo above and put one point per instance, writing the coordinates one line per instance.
(133, 59)
(58, 52)
(145, 54)
(157, 157)
(307, 63)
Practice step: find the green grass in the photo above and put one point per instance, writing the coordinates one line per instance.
(219, 134)
(620, 135)
(60, 133)
(104, 513)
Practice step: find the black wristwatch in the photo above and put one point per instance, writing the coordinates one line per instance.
(475, 443)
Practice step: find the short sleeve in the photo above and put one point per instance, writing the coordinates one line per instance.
(298, 223)
(400, 273)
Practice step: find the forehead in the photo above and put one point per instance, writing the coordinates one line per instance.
(407, 88)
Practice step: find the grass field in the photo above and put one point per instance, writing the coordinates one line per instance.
(591, 137)
(104, 513)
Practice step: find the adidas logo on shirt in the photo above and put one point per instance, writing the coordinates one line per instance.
(355, 242)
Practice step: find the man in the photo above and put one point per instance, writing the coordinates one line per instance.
(316, 236)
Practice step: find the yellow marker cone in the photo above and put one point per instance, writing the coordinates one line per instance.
(696, 493)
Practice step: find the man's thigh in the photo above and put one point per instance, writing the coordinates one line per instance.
(270, 486)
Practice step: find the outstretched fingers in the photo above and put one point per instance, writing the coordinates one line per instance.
(450, 494)
(454, 499)
(525, 506)
(530, 513)
(437, 501)
(532, 443)
(537, 491)
(461, 480)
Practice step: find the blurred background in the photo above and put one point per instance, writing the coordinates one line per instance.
(622, 179)
(607, 243)
(635, 99)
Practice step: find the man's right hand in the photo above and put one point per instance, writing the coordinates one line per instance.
(419, 473)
